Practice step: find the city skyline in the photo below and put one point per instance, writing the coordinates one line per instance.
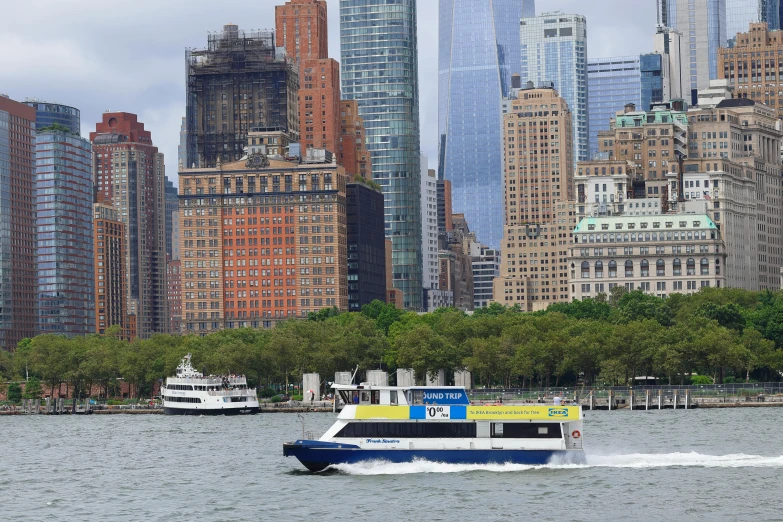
(84, 71)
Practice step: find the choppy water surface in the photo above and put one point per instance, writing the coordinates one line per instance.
(694, 465)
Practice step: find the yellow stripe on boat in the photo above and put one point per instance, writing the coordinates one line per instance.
(553, 413)
(382, 412)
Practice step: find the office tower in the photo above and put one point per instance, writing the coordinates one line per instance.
(734, 167)
(354, 155)
(703, 26)
(668, 43)
(273, 246)
(651, 140)
(756, 79)
(741, 13)
(238, 83)
(18, 285)
(366, 245)
(130, 175)
(433, 297)
(171, 206)
(478, 52)
(652, 72)
(611, 83)
(379, 69)
(64, 195)
(486, 267)
(174, 295)
(539, 174)
(111, 298)
(554, 50)
(48, 114)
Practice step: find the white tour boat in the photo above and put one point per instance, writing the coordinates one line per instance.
(191, 393)
(440, 424)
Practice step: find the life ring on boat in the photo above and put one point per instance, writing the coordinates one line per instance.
(575, 434)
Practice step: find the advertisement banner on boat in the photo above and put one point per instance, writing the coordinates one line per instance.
(551, 413)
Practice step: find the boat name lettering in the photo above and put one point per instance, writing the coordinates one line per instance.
(172, 392)
(382, 441)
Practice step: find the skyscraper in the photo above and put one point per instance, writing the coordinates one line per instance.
(652, 71)
(379, 69)
(478, 53)
(741, 13)
(540, 212)
(47, 114)
(668, 43)
(171, 206)
(703, 25)
(238, 83)
(130, 175)
(64, 221)
(18, 303)
(612, 82)
(110, 282)
(554, 49)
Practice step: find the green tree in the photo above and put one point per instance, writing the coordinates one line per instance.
(32, 389)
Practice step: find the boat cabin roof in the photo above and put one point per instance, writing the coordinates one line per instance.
(366, 393)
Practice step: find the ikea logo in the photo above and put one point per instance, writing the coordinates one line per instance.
(558, 412)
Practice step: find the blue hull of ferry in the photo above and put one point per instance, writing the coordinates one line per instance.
(317, 456)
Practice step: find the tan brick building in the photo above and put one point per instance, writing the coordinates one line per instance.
(540, 207)
(262, 240)
(651, 140)
(754, 66)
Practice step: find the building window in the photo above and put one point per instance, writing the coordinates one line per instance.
(585, 270)
(612, 268)
(645, 266)
(677, 267)
(599, 269)
(691, 266)
(660, 268)
(629, 268)
(705, 266)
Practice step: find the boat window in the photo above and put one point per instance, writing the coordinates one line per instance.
(435, 430)
(526, 430)
(376, 396)
(365, 396)
(393, 397)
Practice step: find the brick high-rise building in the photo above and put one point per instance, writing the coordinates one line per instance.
(319, 105)
(263, 240)
(18, 285)
(353, 154)
(301, 27)
(238, 83)
(754, 66)
(130, 176)
(110, 294)
(540, 213)
(174, 295)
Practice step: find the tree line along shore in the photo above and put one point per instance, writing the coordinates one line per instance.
(715, 335)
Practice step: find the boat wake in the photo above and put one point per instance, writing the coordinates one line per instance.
(631, 460)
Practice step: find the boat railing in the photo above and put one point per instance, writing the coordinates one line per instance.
(201, 381)
(233, 393)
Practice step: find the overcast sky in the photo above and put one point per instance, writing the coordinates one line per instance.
(98, 55)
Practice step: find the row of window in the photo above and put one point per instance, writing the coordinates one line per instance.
(450, 430)
(191, 400)
(660, 268)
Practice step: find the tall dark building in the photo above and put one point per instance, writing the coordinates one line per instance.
(366, 246)
(238, 83)
(172, 204)
(18, 303)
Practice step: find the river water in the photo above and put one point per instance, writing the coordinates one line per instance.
(661, 465)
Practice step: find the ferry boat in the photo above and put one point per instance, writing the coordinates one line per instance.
(440, 424)
(191, 393)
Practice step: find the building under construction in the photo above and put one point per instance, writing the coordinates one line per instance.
(239, 82)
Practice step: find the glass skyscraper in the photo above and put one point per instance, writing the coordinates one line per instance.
(379, 69)
(741, 13)
(651, 68)
(703, 25)
(478, 52)
(554, 49)
(611, 84)
(66, 283)
(47, 114)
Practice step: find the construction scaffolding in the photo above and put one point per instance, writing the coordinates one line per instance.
(239, 82)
